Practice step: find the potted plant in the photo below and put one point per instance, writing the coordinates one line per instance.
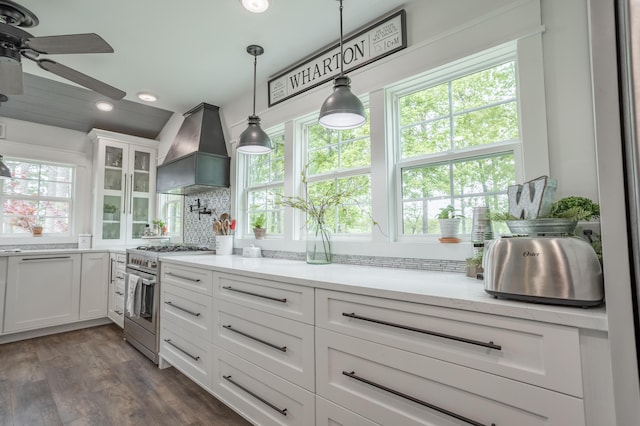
(159, 225)
(449, 224)
(474, 265)
(259, 230)
(36, 230)
(109, 211)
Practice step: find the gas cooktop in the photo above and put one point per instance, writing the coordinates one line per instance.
(169, 248)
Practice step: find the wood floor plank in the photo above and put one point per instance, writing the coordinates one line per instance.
(93, 377)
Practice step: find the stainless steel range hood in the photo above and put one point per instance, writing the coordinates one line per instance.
(197, 160)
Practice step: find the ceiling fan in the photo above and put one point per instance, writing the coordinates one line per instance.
(16, 43)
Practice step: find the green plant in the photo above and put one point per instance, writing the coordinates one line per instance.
(576, 208)
(158, 222)
(259, 221)
(110, 208)
(448, 212)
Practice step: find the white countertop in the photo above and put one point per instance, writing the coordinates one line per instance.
(44, 252)
(446, 289)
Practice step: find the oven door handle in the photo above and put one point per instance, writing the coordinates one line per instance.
(149, 283)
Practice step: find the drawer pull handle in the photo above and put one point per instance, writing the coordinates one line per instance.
(280, 348)
(195, 358)
(26, 259)
(195, 314)
(489, 345)
(284, 300)
(118, 312)
(195, 280)
(353, 375)
(282, 411)
(119, 293)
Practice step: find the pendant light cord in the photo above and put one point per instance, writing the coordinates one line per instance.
(255, 63)
(341, 48)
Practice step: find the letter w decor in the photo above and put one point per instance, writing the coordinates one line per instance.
(375, 41)
(531, 199)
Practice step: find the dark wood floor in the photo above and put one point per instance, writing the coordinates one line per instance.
(93, 377)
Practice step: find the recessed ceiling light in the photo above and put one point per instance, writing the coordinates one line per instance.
(104, 106)
(256, 6)
(147, 97)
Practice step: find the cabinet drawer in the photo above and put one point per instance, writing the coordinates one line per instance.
(188, 310)
(286, 300)
(390, 386)
(546, 355)
(330, 414)
(262, 397)
(282, 346)
(186, 353)
(195, 279)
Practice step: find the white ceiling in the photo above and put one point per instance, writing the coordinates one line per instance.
(189, 51)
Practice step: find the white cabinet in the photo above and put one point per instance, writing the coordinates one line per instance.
(124, 187)
(264, 350)
(186, 322)
(94, 285)
(42, 291)
(392, 386)
(3, 286)
(115, 305)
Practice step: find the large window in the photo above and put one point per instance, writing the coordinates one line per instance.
(456, 144)
(264, 185)
(337, 160)
(37, 194)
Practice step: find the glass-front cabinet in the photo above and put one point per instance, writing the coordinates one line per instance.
(125, 180)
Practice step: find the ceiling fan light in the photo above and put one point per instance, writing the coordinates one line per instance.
(5, 172)
(104, 106)
(342, 109)
(10, 76)
(256, 6)
(254, 140)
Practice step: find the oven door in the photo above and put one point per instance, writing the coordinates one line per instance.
(141, 299)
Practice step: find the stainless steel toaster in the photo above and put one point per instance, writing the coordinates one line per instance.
(553, 270)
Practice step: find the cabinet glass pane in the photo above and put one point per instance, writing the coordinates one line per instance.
(141, 181)
(141, 161)
(111, 208)
(111, 231)
(137, 230)
(113, 157)
(140, 209)
(113, 179)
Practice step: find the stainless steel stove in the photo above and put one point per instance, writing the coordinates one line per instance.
(142, 294)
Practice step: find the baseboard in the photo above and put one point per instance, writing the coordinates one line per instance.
(30, 334)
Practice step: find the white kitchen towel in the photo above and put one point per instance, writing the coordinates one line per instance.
(132, 287)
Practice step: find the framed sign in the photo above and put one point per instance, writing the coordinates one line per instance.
(374, 42)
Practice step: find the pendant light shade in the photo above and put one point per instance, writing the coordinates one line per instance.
(343, 109)
(5, 173)
(254, 140)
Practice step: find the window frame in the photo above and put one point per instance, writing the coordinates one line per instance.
(302, 125)
(444, 74)
(7, 238)
(244, 229)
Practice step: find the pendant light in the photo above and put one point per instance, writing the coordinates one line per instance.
(254, 140)
(343, 109)
(5, 172)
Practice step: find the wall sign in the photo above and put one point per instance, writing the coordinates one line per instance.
(372, 43)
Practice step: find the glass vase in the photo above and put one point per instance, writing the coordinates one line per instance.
(318, 244)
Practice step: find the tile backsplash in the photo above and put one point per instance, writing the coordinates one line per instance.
(198, 228)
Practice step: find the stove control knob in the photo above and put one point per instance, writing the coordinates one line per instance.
(153, 264)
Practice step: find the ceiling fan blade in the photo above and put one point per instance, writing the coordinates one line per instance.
(71, 43)
(10, 77)
(81, 79)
